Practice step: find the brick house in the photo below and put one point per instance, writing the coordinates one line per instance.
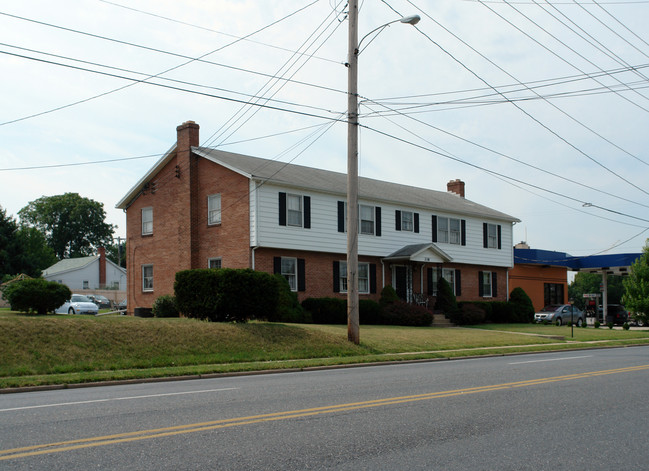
(199, 207)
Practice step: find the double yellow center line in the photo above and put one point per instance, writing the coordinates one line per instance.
(70, 445)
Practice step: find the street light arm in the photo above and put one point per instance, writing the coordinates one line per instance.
(411, 20)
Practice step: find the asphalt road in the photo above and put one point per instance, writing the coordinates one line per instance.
(552, 411)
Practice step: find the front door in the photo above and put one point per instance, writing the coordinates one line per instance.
(401, 280)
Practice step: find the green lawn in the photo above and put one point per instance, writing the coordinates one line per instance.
(60, 349)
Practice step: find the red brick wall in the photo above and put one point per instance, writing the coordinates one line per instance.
(532, 278)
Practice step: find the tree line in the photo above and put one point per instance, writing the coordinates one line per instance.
(53, 228)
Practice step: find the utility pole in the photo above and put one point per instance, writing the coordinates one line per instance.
(352, 176)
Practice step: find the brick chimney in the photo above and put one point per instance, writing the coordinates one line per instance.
(456, 186)
(186, 204)
(102, 267)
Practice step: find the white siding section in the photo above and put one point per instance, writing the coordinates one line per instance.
(323, 236)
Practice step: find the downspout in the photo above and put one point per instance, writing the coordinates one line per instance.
(382, 274)
(253, 256)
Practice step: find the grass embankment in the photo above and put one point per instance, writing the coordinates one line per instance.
(37, 350)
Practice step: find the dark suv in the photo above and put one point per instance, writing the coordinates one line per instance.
(616, 314)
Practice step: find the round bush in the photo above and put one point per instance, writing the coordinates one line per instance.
(165, 306)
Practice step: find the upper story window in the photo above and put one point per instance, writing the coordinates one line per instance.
(294, 210)
(449, 230)
(369, 219)
(406, 221)
(214, 209)
(491, 234)
(147, 221)
(366, 214)
(214, 262)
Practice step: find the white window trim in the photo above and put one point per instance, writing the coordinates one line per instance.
(408, 226)
(360, 219)
(446, 274)
(487, 280)
(288, 275)
(213, 214)
(214, 259)
(342, 276)
(492, 236)
(147, 221)
(299, 211)
(447, 234)
(145, 288)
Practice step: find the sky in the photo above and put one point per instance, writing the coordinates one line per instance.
(541, 108)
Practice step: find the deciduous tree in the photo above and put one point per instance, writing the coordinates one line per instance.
(636, 285)
(74, 226)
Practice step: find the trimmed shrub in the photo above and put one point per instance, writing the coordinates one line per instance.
(469, 314)
(503, 313)
(610, 325)
(445, 301)
(36, 295)
(327, 310)
(523, 306)
(388, 296)
(597, 324)
(165, 306)
(402, 313)
(288, 307)
(369, 312)
(226, 295)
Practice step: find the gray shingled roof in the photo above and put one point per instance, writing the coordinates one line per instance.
(334, 182)
(69, 264)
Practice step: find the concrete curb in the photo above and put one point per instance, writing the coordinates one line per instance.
(54, 387)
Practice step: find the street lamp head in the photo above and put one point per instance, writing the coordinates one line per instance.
(411, 20)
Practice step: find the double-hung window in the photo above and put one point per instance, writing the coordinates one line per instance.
(289, 271)
(294, 210)
(492, 236)
(455, 231)
(214, 262)
(449, 230)
(486, 284)
(407, 221)
(366, 214)
(447, 273)
(147, 277)
(214, 209)
(363, 277)
(147, 221)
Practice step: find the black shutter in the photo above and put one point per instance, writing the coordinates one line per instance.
(277, 265)
(463, 223)
(301, 275)
(377, 212)
(372, 278)
(494, 284)
(458, 283)
(417, 222)
(434, 221)
(480, 285)
(282, 208)
(397, 220)
(336, 276)
(429, 281)
(485, 235)
(341, 216)
(307, 212)
(499, 237)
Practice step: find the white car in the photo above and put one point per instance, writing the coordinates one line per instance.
(78, 304)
